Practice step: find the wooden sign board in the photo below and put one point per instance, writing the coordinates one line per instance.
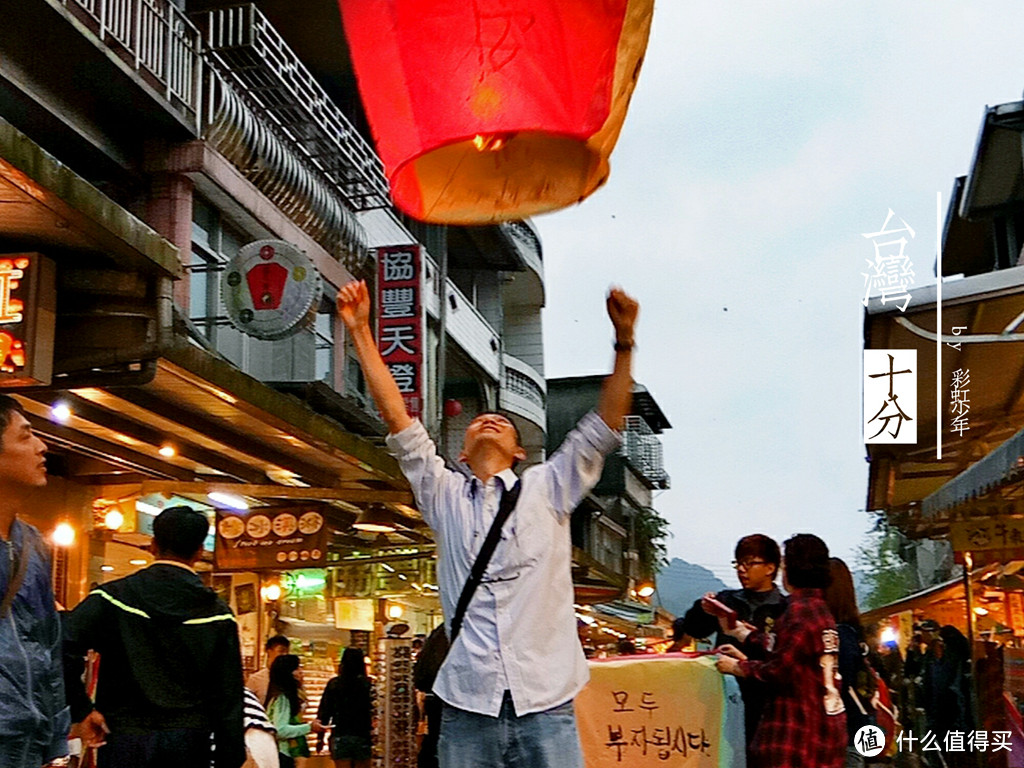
(989, 539)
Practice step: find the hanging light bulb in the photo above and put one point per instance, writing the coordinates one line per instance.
(114, 519)
(63, 535)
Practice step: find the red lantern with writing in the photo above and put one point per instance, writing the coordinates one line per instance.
(491, 110)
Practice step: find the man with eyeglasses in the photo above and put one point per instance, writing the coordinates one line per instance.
(759, 603)
(509, 679)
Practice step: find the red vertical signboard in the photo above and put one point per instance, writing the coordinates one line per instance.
(400, 332)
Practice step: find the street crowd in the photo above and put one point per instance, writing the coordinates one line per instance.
(146, 671)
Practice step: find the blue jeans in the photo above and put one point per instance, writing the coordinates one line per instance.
(546, 739)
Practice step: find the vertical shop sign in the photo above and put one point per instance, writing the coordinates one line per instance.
(395, 698)
(28, 300)
(400, 334)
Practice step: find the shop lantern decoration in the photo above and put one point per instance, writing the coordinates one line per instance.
(492, 110)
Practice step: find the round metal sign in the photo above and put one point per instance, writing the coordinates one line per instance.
(271, 289)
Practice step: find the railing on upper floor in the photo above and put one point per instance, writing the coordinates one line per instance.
(526, 237)
(246, 49)
(524, 391)
(156, 40)
(643, 450)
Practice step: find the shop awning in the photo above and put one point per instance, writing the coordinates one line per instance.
(46, 205)
(1000, 469)
(925, 603)
(224, 427)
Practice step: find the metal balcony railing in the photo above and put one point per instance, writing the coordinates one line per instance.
(250, 54)
(643, 450)
(263, 154)
(156, 40)
(521, 384)
(525, 236)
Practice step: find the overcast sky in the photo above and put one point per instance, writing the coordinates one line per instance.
(762, 140)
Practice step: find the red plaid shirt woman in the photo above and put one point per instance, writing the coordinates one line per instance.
(803, 724)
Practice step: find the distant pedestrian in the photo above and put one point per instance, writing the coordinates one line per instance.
(857, 683)
(286, 701)
(680, 640)
(34, 720)
(260, 735)
(346, 706)
(170, 672)
(259, 681)
(803, 722)
(950, 689)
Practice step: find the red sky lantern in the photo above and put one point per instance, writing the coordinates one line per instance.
(491, 110)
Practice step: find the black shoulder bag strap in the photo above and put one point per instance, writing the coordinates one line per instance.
(483, 558)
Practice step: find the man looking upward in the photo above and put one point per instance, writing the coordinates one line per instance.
(510, 677)
(34, 720)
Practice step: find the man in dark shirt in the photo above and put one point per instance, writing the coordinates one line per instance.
(170, 665)
(759, 602)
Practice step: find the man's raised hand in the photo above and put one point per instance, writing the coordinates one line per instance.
(354, 304)
(622, 309)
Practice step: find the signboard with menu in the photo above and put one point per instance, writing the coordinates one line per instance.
(278, 539)
(28, 304)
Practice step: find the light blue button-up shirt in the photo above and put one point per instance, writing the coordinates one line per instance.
(519, 633)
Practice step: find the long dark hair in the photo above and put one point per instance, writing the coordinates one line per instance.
(840, 595)
(283, 682)
(352, 669)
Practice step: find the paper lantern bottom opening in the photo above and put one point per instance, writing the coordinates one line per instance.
(498, 177)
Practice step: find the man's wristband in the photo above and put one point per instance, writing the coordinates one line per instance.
(620, 347)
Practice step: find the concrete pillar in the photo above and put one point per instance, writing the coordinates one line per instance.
(169, 212)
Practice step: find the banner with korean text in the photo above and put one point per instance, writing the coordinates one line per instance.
(400, 327)
(666, 710)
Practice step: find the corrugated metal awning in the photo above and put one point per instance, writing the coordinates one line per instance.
(1001, 467)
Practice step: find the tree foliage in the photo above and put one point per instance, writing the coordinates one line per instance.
(887, 574)
(651, 530)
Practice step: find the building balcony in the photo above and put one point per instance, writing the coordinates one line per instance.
(244, 47)
(464, 324)
(151, 38)
(643, 452)
(526, 285)
(527, 242)
(523, 392)
(266, 113)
